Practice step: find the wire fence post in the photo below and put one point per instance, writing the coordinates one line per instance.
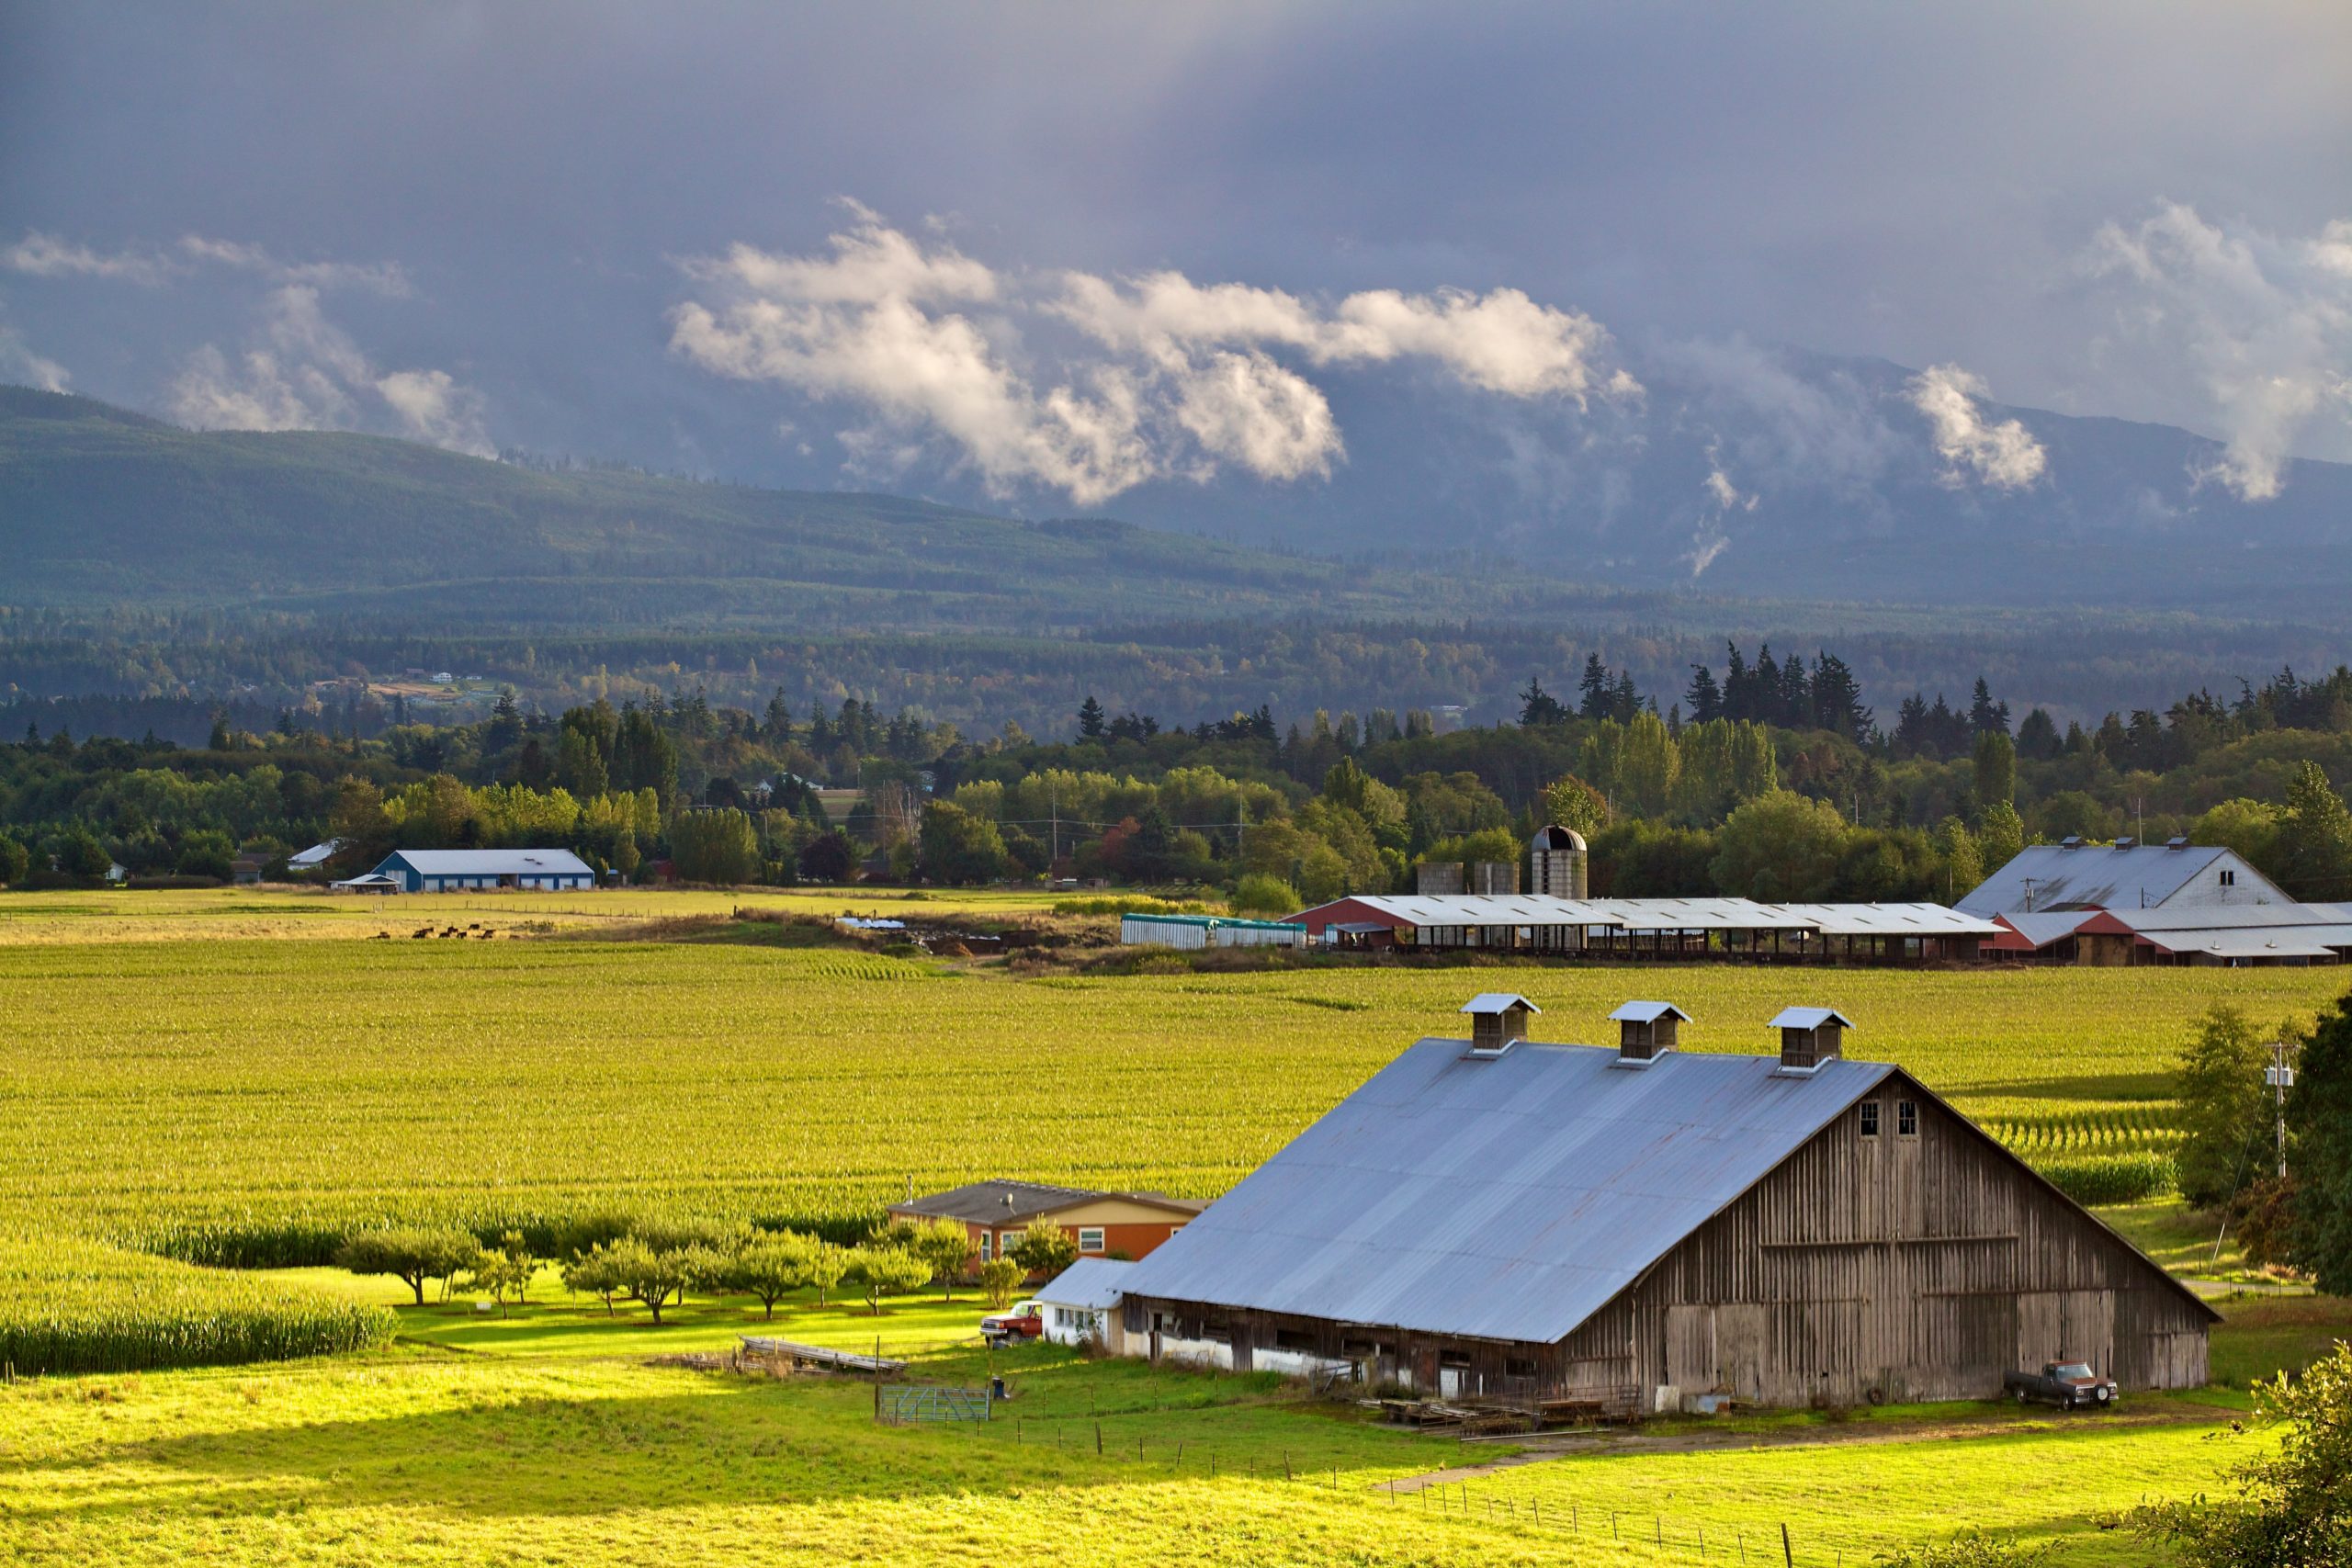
(1788, 1557)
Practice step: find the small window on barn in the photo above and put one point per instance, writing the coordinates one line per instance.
(1869, 1119)
(1090, 1238)
(1906, 1118)
(2229, 878)
(1294, 1340)
(1519, 1367)
(1458, 1358)
(1219, 1330)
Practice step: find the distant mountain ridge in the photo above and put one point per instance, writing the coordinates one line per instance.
(1773, 476)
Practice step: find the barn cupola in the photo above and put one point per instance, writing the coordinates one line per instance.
(1810, 1036)
(1497, 1022)
(1645, 1030)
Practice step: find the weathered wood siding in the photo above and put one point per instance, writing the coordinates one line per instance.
(1893, 1268)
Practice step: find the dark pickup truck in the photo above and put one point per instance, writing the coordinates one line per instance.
(2070, 1385)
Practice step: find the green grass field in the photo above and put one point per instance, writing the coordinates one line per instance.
(216, 1074)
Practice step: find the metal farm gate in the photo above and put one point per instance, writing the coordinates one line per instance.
(899, 1403)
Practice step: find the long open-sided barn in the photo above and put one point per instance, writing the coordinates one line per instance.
(1635, 1229)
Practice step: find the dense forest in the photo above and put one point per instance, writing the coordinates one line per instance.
(1765, 775)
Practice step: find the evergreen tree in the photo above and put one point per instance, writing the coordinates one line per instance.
(2038, 738)
(1795, 700)
(777, 727)
(1090, 718)
(2224, 1116)
(1538, 706)
(1984, 715)
(1704, 698)
(1765, 705)
(1593, 700)
(1625, 701)
(1739, 685)
(1837, 700)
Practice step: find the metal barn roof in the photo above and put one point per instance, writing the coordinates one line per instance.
(1890, 919)
(989, 1203)
(1648, 1012)
(490, 863)
(2139, 878)
(1094, 1283)
(1506, 1198)
(2040, 930)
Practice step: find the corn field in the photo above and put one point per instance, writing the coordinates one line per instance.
(69, 1305)
(251, 1101)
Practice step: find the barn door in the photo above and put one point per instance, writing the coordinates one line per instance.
(2090, 1328)
(1690, 1348)
(1739, 1351)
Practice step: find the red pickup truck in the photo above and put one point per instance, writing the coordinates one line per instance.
(1025, 1321)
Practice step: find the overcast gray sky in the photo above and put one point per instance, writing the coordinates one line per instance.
(512, 225)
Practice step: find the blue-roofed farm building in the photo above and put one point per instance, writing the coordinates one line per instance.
(1642, 1228)
(457, 870)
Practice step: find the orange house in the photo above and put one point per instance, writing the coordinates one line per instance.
(997, 1215)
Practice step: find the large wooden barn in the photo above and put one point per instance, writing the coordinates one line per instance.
(1641, 1229)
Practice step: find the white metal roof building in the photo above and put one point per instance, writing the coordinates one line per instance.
(452, 871)
(2236, 935)
(2047, 878)
(1645, 928)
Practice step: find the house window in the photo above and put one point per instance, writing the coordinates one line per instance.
(1008, 1241)
(1869, 1119)
(1090, 1238)
(2229, 878)
(984, 1247)
(1906, 1118)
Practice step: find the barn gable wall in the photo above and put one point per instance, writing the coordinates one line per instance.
(1891, 1267)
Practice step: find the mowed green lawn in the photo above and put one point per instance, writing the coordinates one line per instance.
(549, 1437)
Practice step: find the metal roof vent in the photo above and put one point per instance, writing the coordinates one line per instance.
(1809, 1036)
(1497, 1022)
(2175, 843)
(2126, 843)
(1645, 1032)
(2071, 841)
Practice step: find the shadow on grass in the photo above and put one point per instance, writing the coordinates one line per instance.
(724, 1442)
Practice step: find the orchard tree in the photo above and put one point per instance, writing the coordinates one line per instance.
(771, 1266)
(828, 1268)
(1047, 1248)
(882, 1270)
(410, 1254)
(1001, 1281)
(946, 1247)
(648, 1276)
(594, 1273)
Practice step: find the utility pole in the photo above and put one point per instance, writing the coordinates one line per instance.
(1054, 815)
(2280, 1077)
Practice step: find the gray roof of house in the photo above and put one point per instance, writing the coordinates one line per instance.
(489, 862)
(2099, 875)
(1508, 1198)
(989, 1203)
(1095, 1283)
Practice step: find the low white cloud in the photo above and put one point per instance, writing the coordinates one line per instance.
(1169, 377)
(303, 372)
(47, 255)
(19, 363)
(2264, 322)
(387, 278)
(2005, 456)
(1725, 499)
